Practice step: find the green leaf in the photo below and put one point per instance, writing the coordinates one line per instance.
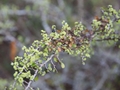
(118, 21)
(83, 63)
(62, 65)
(20, 80)
(119, 46)
(15, 74)
(31, 77)
(43, 73)
(55, 59)
(87, 55)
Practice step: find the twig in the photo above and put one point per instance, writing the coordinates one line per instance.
(21, 71)
(16, 78)
(28, 86)
(54, 65)
(36, 72)
(47, 60)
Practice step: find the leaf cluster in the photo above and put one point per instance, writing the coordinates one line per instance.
(41, 56)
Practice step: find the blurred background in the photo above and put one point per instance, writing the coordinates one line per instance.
(21, 22)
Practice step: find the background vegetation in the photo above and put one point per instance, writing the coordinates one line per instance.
(21, 22)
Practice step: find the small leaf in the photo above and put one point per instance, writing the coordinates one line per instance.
(62, 65)
(119, 46)
(15, 74)
(31, 77)
(43, 73)
(83, 63)
(55, 59)
(87, 55)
